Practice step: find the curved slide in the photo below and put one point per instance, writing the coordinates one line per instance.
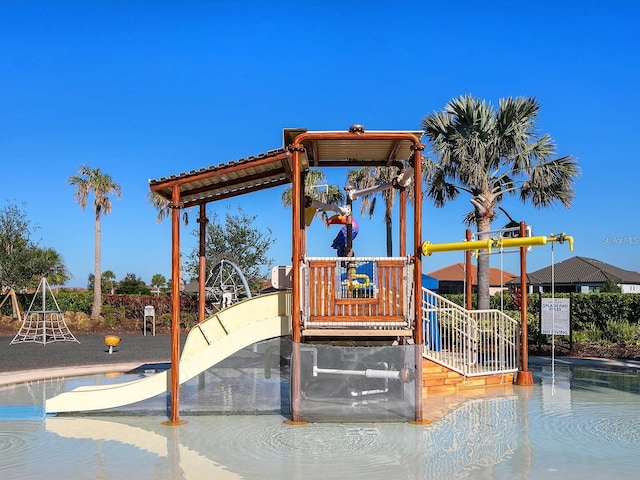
(220, 336)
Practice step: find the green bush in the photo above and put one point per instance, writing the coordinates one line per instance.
(164, 320)
(604, 308)
(623, 332)
(502, 302)
(134, 304)
(533, 326)
(68, 301)
(595, 317)
(72, 301)
(588, 334)
(457, 298)
(188, 320)
(600, 317)
(112, 316)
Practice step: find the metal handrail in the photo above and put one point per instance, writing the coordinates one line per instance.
(470, 342)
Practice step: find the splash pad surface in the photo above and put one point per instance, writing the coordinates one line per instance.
(575, 422)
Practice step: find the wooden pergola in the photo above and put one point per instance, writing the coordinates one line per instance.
(301, 150)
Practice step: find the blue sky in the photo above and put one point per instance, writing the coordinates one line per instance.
(144, 90)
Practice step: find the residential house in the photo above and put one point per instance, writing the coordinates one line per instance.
(451, 279)
(580, 275)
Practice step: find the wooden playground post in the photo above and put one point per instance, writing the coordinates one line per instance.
(297, 213)
(175, 206)
(524, 376)
(15, 305)
(417, 277)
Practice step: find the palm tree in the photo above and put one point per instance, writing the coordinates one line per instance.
(102, 185)
(489, 153)
(316, 188)
(48, 263)
(158, 281)
(367, 177)
(161, 204)
(108, 281)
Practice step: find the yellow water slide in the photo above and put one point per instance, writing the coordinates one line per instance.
(220, 336)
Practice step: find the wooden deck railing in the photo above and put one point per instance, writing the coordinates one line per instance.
(359, 292)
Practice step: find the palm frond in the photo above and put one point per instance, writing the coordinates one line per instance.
(551, 182)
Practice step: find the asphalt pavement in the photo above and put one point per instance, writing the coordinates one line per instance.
(133, 348)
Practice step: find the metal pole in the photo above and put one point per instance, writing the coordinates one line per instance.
(403, 223)
(349, 226)
(202, 262)
(44, 312)
(468, 278)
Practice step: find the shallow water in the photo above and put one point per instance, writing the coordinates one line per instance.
(574, 423)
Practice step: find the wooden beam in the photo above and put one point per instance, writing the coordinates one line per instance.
(346, 332)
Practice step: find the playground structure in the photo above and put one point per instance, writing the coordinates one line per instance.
(16, 310)
(364, 332)
(45, 324)
(225, 285)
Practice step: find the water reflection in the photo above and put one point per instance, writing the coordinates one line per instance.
(265, 447)
(189, 463)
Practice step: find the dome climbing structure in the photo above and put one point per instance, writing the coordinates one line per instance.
(43, 323)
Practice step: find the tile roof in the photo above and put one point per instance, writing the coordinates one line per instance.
(455, 273)
(581, 270)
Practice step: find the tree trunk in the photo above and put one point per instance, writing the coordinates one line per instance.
(96, 308)
(483, 266)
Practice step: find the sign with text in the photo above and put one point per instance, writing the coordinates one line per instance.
(555, 316)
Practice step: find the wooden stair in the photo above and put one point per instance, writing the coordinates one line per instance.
(439, 379)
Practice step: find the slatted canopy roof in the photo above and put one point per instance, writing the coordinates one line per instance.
(319, 149)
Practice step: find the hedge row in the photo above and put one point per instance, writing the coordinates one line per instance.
(132, 305)
(588, 310)
(596, 311)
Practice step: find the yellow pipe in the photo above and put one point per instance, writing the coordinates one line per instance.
(522, 242)
(355, 284)
(561, 238)
(428, 248)
(352, 280)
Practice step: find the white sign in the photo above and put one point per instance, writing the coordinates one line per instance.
(555, 316)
